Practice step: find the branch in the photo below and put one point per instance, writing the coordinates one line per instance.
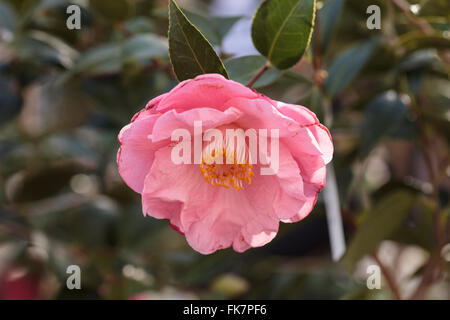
(433, 270)
(419, 23)
(421, 289)
(426, 143)
(331, 196)
(319, 74)
(258, 75)
(389, 277)
(16, 228)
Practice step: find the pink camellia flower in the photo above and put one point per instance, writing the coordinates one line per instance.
(221, 205)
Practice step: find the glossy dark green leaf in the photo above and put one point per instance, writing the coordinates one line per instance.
(383, 115)
(347, 65)
(242, 69)
(190, 53)
(406, 129)
(379, 224)
(415, 80)
(282, 29)
(418, 60)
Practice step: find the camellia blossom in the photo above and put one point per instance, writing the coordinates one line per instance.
(221, 205)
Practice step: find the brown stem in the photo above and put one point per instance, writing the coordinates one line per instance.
(17, 229)
(427, 280)
(434, 267)
(319, 74)
(389, 277)
(439, 232)
(425, 144)
(258, 75)
(317, 59)
(433, 270)
(421, 24)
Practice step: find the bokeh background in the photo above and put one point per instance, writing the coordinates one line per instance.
(65, 94)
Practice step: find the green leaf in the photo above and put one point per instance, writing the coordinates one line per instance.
(416, 40)
(143, 47)
(328, 17)
(139, 25)
(190, 53)
(7, 17)
(11, 98)
(415, 80)
(43, 182)
(381, 222)
(282, 29)
(419, 229)
(70, 225)
(108, 58)
(382, 116)
(418, 60)
(99, 60)
(347, 65)
(438, 23)
(406, 129)
(213, 28)
(117, 10)
(55, 105)
(224, 24)
(416, 66)
(204, 24)
(242, 69)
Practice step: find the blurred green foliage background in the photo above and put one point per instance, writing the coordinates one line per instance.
(65, 94)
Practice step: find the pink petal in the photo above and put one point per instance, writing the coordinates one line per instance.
(312, 167)
(210, 118)
(260, 114)
(311, 192)
(149, 108)
(136, 152)
(205, 91)
(155, 101)
(212, 218)
(290, 197)
(167, 186)
(227, 217)
(307, 118)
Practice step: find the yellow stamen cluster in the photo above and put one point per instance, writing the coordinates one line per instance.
(228, 174)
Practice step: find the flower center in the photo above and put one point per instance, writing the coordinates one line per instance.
(228, 173)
